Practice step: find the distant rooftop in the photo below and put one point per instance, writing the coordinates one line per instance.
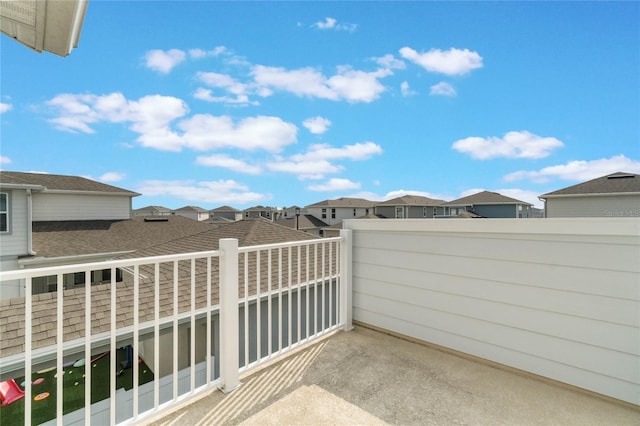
(484, 197)
(51, 182)
(344, 202)
(615, 183)
(411, 200)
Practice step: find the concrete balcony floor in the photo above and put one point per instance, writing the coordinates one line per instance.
(365, 377)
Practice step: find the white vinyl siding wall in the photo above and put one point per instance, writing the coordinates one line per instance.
(594, 206)
(58, 206)
(559, 298)
(15, 242)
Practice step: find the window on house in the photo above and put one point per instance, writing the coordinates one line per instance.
(333, 213)
(400, 212)
(324, 213)
(366, 212)
(425, 211)
(354, 212)
(4, 212)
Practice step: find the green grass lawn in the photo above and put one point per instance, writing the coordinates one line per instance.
(43, 410)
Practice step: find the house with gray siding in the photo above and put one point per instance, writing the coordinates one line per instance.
(335, 211)
(226, 212)
(152, 211)
(29, 198)
(613, 195)
(410, 207)
(488, 205)
(193, 212)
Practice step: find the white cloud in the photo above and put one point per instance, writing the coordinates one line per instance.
(304, 169)
(317, 125)
(332, 24)
(4, 107)
(357, 151)
(111, 177)
(224, 82)
(201, 53)
(164, 61)
(227, 162)
(513, 145)
(315, 164)
(214, 192)
(335, 184)
(153, 117)
(449, 62)
(207, 96)
(389, 61)
(579, 170)
(206, 132)
(347, 84)
(443, 88)
(150, 116)
(4, 159)
(405, 89)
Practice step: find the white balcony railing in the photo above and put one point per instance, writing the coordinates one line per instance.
(163, 329)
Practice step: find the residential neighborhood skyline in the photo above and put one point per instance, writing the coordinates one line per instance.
(280, 104)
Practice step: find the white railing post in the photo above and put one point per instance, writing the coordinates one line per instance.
(229, 317)
(346, 278)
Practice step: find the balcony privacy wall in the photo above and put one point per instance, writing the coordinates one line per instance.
(557, 297)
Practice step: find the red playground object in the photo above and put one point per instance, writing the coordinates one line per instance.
(10, 392)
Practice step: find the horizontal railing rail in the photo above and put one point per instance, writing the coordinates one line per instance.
(168, 327)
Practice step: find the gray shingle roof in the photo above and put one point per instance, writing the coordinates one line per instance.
(615, 183)
(343, 202)
(154, 209)
(305, 221)
(225, 209)
(73, 238)
(484, 197)
(192, 209)
(61, 182)
(411, 200)
(248, 232)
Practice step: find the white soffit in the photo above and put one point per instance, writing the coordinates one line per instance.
(44, 25)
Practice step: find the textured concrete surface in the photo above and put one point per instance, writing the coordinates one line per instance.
(364, 377)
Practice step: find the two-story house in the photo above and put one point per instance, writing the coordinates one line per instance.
(489, 205)
(410, 206)
(53, 220)
(193, 212)
(152, 211)
(335, 211)
(614, 195)
(28, 198)
(226, 212)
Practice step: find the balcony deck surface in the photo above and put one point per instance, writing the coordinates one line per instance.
(366, 377)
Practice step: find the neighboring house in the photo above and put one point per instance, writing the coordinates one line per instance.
(334, 230)
(260, 211)
(335, 211)
(152, 211)
(410, 206)
(27, 198)
(226, 212)
(614, 195)
(249, 232)
(306, 223)
(193, 213)
(289, 212)
(489, 205)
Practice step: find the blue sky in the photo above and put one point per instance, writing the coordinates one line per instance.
(280, 103)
